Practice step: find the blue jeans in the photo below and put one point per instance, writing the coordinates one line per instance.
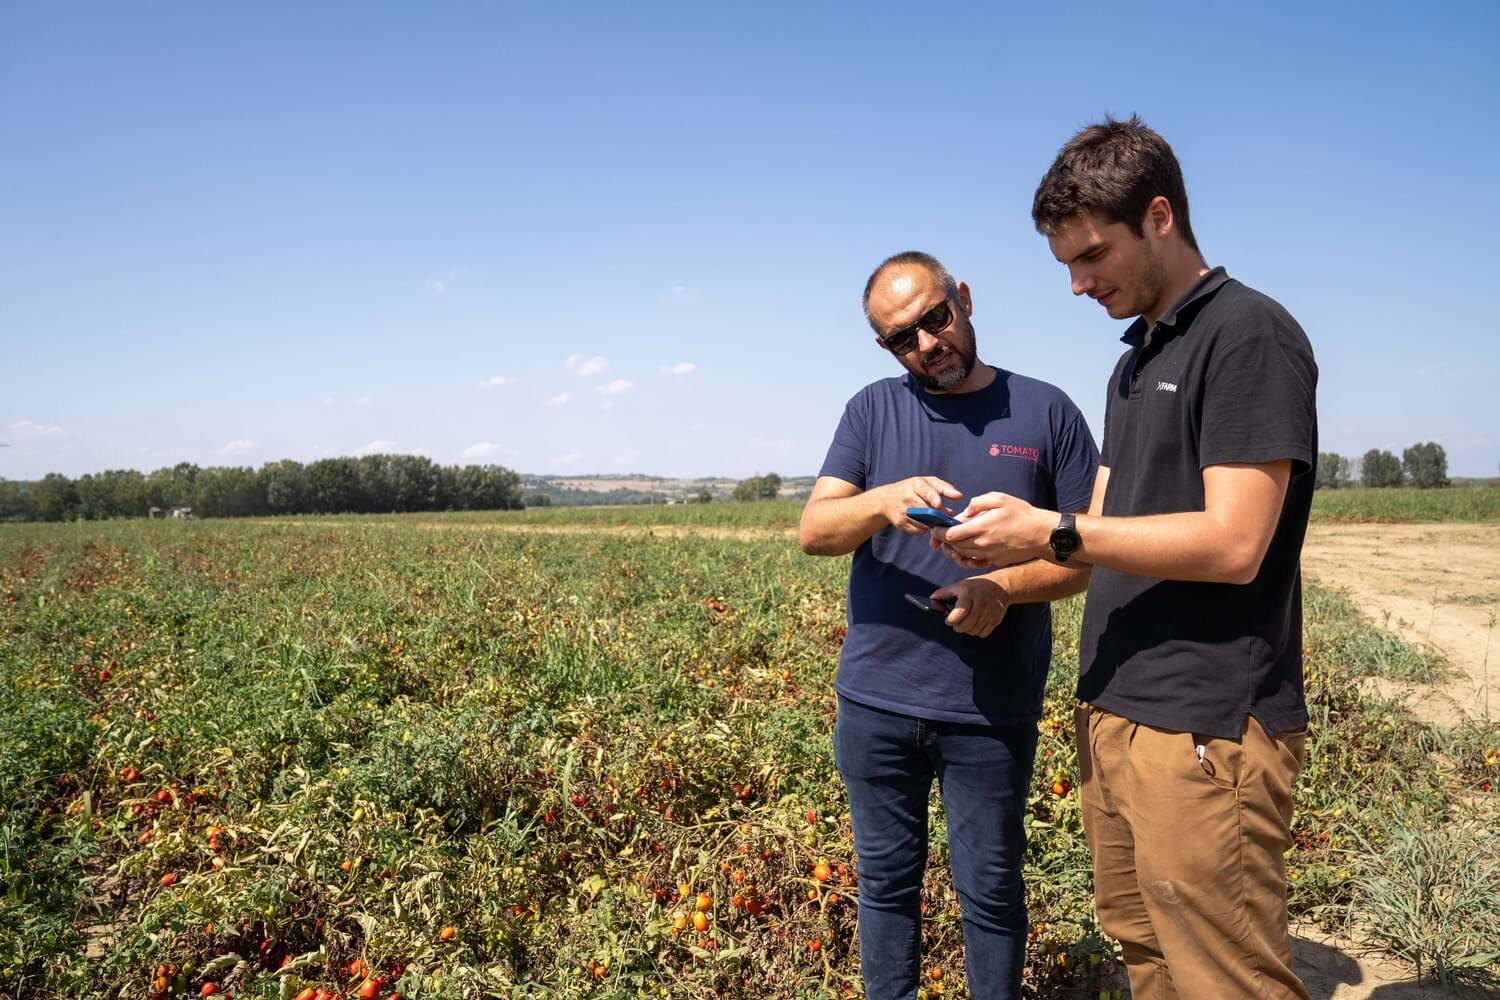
(888, 761)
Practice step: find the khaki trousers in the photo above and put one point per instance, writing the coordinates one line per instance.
(1189, 871)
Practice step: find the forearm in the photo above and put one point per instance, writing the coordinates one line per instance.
(836, 526)
(1039, 581)
(1223, 543)
(1194, 546)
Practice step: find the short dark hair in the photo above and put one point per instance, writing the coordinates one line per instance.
(1112, 169)
(932, 264)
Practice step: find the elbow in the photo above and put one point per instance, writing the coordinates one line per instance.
(814, 543)
(809, 542)
(1242, 566)
(814, 546)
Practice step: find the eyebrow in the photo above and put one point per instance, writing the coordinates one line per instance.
(920, 316)
(1096, 245)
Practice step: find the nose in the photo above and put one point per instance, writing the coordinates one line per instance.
(926, 341)
(1082, 281)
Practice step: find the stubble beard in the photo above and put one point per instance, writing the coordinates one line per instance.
(1151, 284)
(955, 375)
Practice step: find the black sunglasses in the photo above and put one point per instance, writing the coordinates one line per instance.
(934, 320)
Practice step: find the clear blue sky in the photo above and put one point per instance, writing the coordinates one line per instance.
(234, 235)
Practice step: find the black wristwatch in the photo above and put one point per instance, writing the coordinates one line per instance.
(1065, 540)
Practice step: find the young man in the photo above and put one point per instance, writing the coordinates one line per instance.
(954, 695)
(1193, 725)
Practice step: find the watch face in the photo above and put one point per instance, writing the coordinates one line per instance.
(1065, 541)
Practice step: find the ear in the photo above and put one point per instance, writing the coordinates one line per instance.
(964, 299)
(1159, 221)
(880, 343)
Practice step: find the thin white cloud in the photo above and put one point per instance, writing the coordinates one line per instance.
(580, 365)
(328, 400)
(377, 448)
(681, 293)
(560, 399)
(495, 382)
(364, 400)
(680, 368)
(614, 388)
(437, 288)
(239, 444)
(625, 459)
(483, 449)
(32, 429)
(571, 458)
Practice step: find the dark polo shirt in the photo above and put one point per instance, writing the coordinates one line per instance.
(1226, 375)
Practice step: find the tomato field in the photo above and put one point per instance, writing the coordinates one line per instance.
(462, 756)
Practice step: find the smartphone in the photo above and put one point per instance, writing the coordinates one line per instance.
(932, 517)
(931, 607)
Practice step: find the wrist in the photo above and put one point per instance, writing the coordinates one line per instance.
(1064, 541)
(1041, 533)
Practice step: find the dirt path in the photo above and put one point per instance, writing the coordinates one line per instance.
(1434, 584)
(1333, 969)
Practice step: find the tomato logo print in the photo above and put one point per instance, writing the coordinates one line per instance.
(994, 450)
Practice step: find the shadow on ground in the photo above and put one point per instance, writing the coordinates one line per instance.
(1333, 970)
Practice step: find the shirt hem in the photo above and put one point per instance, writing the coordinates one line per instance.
(1221, 728)
(1291, 451)
(936, 714)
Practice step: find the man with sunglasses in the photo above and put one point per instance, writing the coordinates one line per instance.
(954, 695)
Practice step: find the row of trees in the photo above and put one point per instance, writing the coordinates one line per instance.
(1421, 465)
(372, 484)
(766, 487)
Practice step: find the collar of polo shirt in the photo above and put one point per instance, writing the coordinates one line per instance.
(1138, 331)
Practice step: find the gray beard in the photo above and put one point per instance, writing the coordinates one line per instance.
(950, 379)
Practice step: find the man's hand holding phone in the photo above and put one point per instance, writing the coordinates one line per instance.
(918, 491)
(979, 605)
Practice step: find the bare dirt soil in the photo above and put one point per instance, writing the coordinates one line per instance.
(1435, 585)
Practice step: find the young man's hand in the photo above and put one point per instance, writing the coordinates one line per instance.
(979, 605)
(998, 530)
(918, 491)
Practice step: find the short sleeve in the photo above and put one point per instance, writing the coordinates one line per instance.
(1260, 399)
(1109, 401)
(1111, 397)
(849, 455)
(1075, 463)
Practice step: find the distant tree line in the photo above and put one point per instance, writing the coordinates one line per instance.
(766, 487)
(1422, 465)
(371, 484)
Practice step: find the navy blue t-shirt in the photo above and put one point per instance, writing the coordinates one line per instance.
(1018, 436)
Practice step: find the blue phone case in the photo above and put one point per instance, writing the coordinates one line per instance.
(931, 516)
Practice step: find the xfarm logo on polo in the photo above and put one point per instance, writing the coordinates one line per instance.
(1015, 451)
(1166, 387)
